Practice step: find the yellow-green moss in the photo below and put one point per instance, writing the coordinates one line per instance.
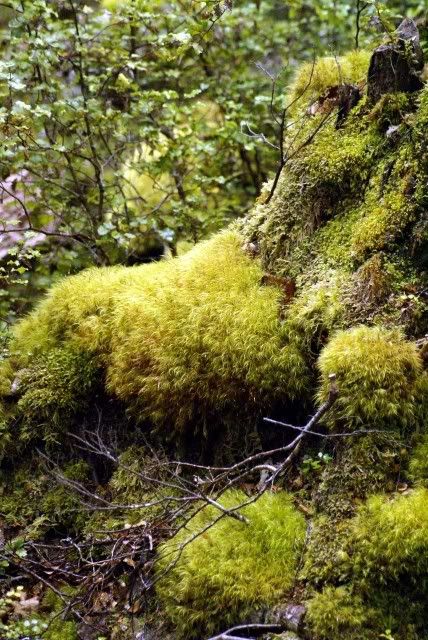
(382, 220)
(390, 538)
(337, 614)
(233, 568)
(313, 314)
(76, 310)
(55, 387)
(183, 340)
(377, 375)
(200, 336)
(312, 80)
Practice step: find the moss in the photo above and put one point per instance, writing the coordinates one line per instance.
(75, 311)
(312, 80)
(33, 502)
(56, 386)
(184, 340)
(377, 374)
(233, 568)
(335, 614)
(313, 314)
(418, 466)
(60, 505)
(390, 538)
(382, 220)
(202, 338)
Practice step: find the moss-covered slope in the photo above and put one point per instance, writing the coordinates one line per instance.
(326, 275)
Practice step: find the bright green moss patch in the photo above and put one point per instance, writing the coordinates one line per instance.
(233, 568)
(336, 614)
(390, 538)
(183, 341)
(312, 80)
(75, 310)
(383, 220)
(203, 337)
(377, 373)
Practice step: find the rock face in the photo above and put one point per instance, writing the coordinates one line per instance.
(396, 66)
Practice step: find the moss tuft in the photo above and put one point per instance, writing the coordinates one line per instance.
(335, 613)
(233, 568)
(377, 374)
(312, 80)
(201, 338)
(55, 387)
(390, 538)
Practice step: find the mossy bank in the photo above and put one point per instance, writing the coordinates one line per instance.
(326, 275)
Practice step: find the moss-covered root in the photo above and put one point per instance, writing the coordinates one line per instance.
(233, 568)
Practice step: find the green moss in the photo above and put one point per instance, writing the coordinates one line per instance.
(35, 503)
(335, 614)
(55, 387)
(201, 339)
(313, 314)
(418, 466)
(390, 538)
(377, 374)
(382, 219)
(312, 80)
(60, 505)
(184, 341)
(233, 568)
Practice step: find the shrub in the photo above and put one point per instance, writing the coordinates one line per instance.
(232, 568)
(377, 374)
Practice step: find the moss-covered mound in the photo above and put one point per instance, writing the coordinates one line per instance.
(234, 568)
(383, 559)
(184, 343)
(328, 274)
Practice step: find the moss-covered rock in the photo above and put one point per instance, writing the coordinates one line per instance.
(378, 374)
(233, 568)
(334, 614)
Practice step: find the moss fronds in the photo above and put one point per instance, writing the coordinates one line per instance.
(382, 220)
(202, 337)
(55, 388)
(312, 316)
(312, 80)
(335, 613)
(418, 466)
(390, 538)
(377, 373)
(233, 568)
(75, 310)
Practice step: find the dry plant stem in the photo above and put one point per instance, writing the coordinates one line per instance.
(257, 629)
(92, 563)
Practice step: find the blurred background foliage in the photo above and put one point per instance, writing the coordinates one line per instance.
(126, 124)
